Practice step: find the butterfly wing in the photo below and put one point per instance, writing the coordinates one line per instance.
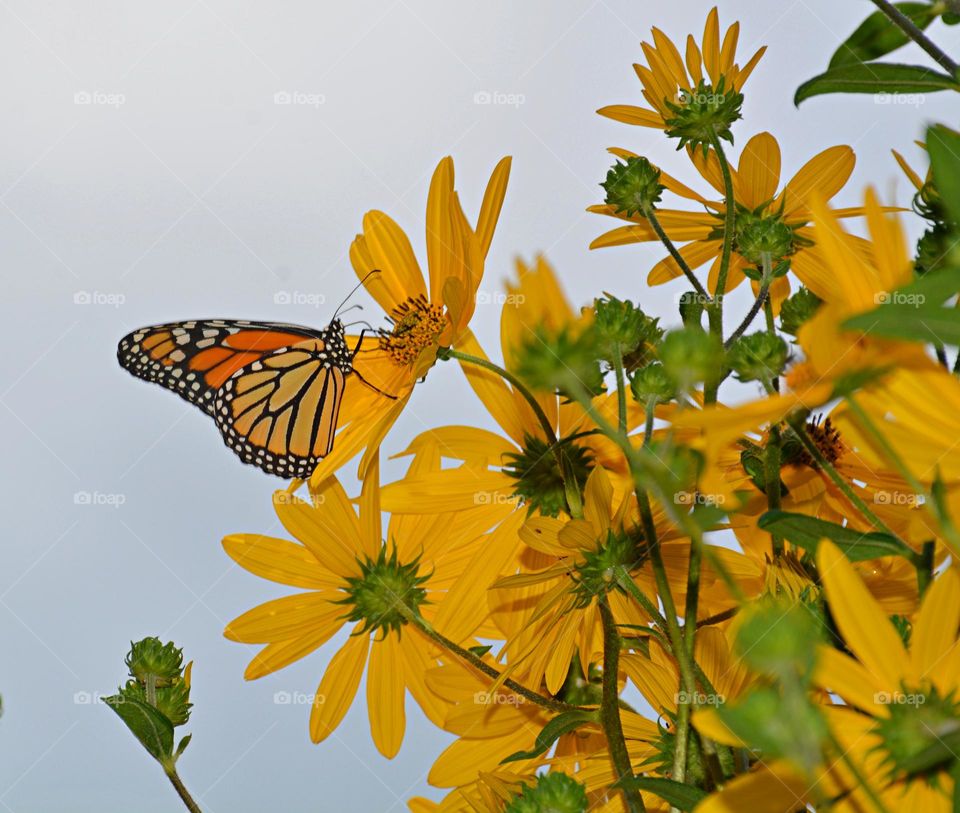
(280, 412)
(195, 358)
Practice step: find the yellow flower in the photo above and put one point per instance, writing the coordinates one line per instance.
(667, 73)
(353, 578)
(426, 314)
(779, 223)
(554, 615)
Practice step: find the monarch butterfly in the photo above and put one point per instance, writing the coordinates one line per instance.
(274, 389)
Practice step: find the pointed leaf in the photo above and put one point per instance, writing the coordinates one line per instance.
(148, 725)
(943, 144)
(561, 724)
(877, 35)
(806, 532)
(875, 77)
(676, 794)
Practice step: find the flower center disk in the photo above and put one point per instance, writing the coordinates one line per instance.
(417, 324)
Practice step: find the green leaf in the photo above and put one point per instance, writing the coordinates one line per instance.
(934, 287)
(877, 35)
(148, 725)
(943, 144)
(561, 724)
(806, 532)
(676, 794)
(911, 323)
(875, 77)
(182, 746)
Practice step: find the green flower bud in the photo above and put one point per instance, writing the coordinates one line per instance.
(701, 113)
(652, 385)
(760, 236)
(539, 481)
(567, 360)
(936, 248)
(172, 701)
(596, 575)
(797, 309)
(554, 792)
(758, 357)
(620, 322)
(164, 662)
(633, 187)
(691, 356)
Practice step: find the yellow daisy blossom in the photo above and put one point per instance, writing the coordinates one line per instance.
(426, 314)
(355, 579)
(667, 74)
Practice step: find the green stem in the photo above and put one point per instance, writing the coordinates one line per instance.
(908, 27)
(621, 387)
(181, 789)
(729, 220)
(651, 217)
(478, 663)
(758, 304)
(771, 462)
(610, 709)
(924, 566)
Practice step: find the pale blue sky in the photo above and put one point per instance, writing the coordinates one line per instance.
(184, 191)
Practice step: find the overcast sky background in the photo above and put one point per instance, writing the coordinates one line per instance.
(184, 191)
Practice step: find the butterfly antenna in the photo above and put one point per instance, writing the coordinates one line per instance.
(361, 322)
(352, 292)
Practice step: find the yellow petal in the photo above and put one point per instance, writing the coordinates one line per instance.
(441, 238)
(400, 277)
(711, 46)
(825, 174)
(492, 203)
(329, 528)
(279, 560)
(284, 618)
(759, 170)
(866, 629)
(371, 533)
(694, 254)
(630, 114)
(385, 695)
(338, 687)
(841, 674)
(282, 653)
(598, 501)
(761, 791)
(935, 629)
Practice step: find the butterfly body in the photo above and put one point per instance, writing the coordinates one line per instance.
(273, 389)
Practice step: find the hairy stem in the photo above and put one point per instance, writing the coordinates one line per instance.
(181, 789)
(908, 27)
(610, 709)
(651, 217)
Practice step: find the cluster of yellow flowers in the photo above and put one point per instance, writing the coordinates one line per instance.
(772, 576)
